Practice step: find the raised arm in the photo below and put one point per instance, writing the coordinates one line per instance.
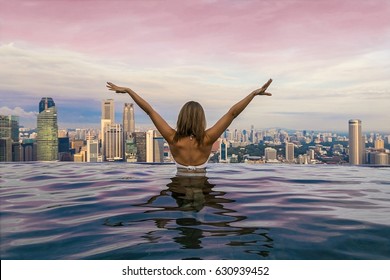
(162, 126)
(213, 133)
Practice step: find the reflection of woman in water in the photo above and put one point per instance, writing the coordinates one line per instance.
(190, 191)
(190, 144)
(194, 196)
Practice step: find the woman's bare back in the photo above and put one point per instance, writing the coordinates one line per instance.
(187, 152)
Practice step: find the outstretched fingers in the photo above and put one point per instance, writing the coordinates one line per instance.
(266, 85)
(110, 86)
(115, 88)
(261, 91)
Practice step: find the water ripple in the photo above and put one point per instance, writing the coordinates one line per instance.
(142, 211)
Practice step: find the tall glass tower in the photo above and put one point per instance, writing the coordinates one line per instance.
(108, 118)
(47, 138)
(9, 134)
(128, 119)
(356, 146)
(223, 146)
(46, 102)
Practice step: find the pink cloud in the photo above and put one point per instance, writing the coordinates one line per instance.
(162, 31)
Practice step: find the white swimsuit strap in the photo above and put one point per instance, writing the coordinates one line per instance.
(192, 167)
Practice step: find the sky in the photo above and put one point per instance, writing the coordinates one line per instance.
(329, 60)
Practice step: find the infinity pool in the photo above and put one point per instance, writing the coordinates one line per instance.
(239, 211)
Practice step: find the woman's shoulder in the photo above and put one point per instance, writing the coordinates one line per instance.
(208, 140)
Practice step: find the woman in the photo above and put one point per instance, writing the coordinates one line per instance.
(191, 142)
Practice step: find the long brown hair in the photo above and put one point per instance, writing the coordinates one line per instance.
(191, 122)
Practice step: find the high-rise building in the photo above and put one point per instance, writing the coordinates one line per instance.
(252, 134)
(223, 147)
(130, 149)
(108, 118)
(370, 156)
(379, 144)
(64, 149)
(29, 150)
(17, 152)
(158, 148)
(63, 144)
(290, 152)
(381, 158)
(356, 144)
(154, 146)
(270, 154)
(92, 150)
(128, 119)
(113, 144)
(149, 146)
(47, 130)
(5, 149)
(9, 134)
(140, 142)
(108, 112)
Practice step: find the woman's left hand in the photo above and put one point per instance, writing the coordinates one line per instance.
(115, 88)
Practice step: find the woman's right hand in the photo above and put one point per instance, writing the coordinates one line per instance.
(261, 91)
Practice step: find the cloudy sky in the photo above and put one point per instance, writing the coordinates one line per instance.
(330, 59)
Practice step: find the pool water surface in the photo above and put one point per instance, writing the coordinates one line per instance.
(238, 211)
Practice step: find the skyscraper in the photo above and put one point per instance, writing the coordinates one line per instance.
(128, 119)
(290, 152)
(140, 142)
(47, 130)
(46, 102)
(64, 149)
(92, 150)
(149, 145)
(113, 135)
(223, 147)
(29, 150)
(154, 146)
(108, 118)
(108, 112)
(130, 148)
(356, 146)
(9, 133)
(158, 147)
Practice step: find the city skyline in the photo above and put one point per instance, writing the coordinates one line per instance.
(328, 59)
(118, 145)
(118, 116)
